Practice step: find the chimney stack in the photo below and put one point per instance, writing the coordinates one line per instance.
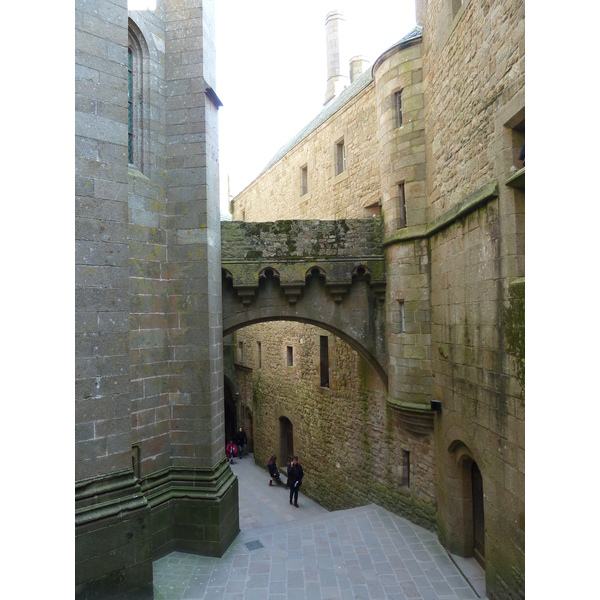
(358, 65)
(337, 56)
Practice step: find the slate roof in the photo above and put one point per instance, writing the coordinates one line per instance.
(338, 102)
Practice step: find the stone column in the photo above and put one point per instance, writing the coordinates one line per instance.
(204, 491)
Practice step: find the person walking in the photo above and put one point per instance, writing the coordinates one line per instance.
(294, 479)
(273, 470)
(241, 440)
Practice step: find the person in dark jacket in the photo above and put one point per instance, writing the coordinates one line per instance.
(294, 479)
(241, 440)
(273, 470)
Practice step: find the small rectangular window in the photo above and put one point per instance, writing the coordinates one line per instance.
(405, 468)
(304, 180)
(324, 361)
(398, 107)
(240, 352)
(401, 207)
(290, 356)
(259, 354)
(340, 157)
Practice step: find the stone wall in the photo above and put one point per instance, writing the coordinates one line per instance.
(454, 294)
(276, 194)
(473, 87)
(348, 440)
(479, 58)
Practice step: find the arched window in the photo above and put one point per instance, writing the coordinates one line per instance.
(135, 97)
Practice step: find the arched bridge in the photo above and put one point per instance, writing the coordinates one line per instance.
(326, 273)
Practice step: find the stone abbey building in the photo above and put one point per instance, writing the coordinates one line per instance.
(364, 309)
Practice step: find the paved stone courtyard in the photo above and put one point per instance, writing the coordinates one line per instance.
(283, 552)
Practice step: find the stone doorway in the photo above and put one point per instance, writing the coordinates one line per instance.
(286, 440)
(464, 514)
(478, 522)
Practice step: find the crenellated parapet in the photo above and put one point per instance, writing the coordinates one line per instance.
(292, 252)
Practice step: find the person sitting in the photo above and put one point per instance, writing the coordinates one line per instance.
(231, 451)
(273, 471)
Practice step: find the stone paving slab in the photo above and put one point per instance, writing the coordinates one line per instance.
(365, 553)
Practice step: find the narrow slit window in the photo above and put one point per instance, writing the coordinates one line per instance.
(324, 361)
(401, 207)
(259, 354)
(398, 107)
(340, 155)
(290, 356)
(241, 352)
(405, 468)
(401, 322)
(304, 180)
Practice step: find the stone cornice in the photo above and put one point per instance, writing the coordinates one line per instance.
(112, 495)
(107, 496)
(180, 482)
(414, 417)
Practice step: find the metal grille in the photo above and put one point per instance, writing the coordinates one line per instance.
(254, 545)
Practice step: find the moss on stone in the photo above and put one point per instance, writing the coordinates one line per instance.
(513, 322)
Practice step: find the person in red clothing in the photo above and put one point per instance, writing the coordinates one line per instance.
(231, 451)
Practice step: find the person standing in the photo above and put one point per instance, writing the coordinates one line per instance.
(230, 451)
(294, 479)
(241, 440)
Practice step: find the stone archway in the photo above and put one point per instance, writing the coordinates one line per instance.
(358, 318)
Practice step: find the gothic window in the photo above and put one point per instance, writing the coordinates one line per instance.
(135, 97)
(130, 105)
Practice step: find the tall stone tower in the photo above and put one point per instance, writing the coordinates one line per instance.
(150, 470)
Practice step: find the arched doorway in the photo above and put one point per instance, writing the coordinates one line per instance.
(286, 440)
(464, 514)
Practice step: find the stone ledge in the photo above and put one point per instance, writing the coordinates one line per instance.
(471, 203)
(517, 180)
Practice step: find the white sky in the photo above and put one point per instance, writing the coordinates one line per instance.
(272, 71)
